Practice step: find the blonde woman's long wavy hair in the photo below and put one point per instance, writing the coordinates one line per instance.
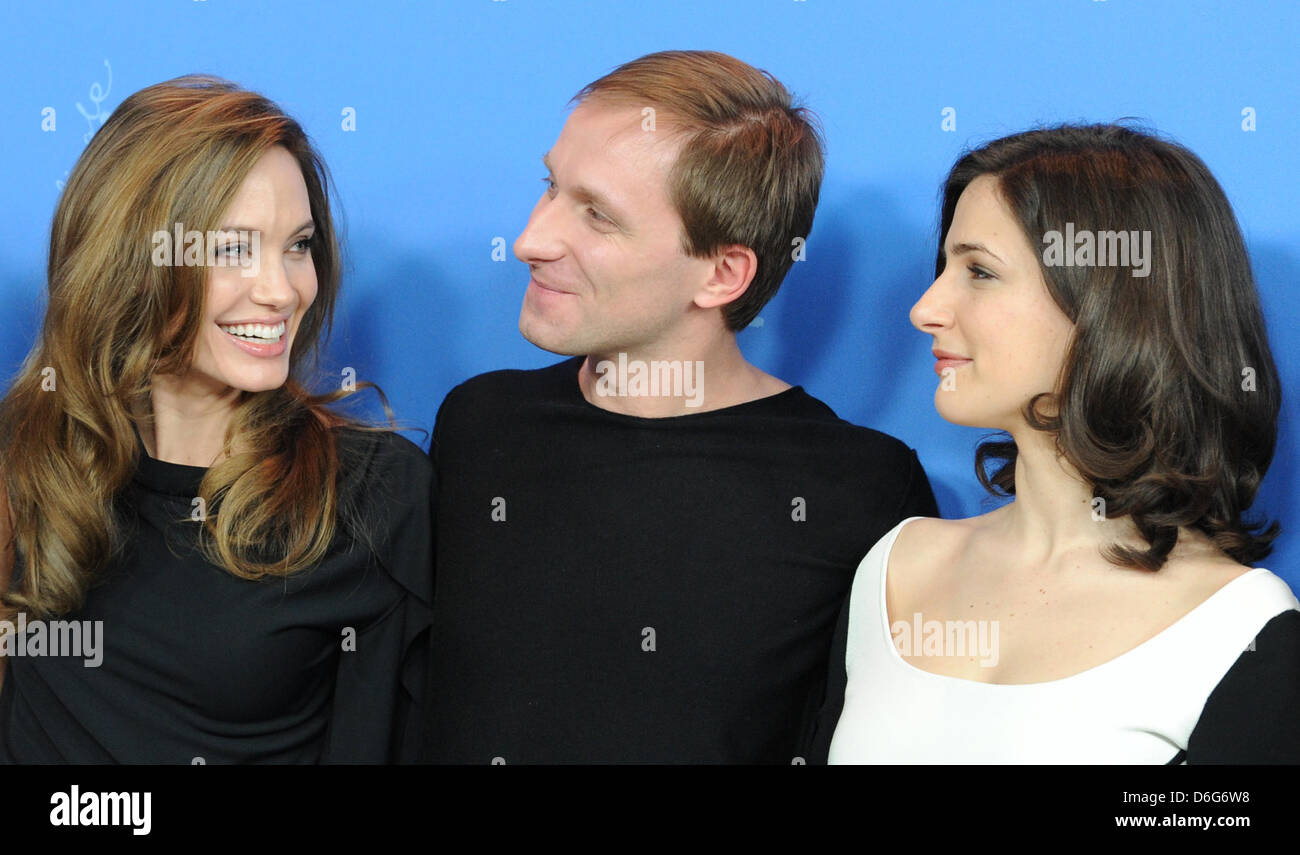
(176, 152)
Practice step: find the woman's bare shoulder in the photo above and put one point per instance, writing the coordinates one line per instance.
(929, 539)
(1197, 569)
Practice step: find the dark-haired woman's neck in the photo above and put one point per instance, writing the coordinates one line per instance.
(1055, 518)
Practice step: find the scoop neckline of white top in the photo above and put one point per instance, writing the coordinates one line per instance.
(1127, 654)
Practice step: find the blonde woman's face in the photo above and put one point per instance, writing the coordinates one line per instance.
(262, 283)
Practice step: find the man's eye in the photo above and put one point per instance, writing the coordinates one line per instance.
(598, 216)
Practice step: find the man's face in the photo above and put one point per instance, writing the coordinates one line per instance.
(604, 243)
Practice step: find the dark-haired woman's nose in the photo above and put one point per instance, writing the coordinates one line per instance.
(932, 312)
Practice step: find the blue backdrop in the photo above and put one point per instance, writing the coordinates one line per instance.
(456, 101)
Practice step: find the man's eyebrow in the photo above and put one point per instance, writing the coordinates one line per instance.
(586, 194)
(964, 248)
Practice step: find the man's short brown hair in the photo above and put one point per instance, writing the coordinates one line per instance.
(750, 167)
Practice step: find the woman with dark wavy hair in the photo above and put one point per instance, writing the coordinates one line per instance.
(204, 562)
(1093, 300)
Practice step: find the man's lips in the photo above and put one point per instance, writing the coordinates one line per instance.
(543, 286)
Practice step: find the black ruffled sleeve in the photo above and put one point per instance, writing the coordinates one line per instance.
(380, 694)
(1253, 715)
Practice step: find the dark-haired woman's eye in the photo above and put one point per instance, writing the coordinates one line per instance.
(979, 272)
(305, 244)
(550, 185)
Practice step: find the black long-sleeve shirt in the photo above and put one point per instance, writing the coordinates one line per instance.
(198, 665)
(620, 589)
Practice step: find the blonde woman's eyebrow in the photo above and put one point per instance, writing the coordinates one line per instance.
(307, 225)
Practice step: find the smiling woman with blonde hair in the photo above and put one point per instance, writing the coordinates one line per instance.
(245, 570)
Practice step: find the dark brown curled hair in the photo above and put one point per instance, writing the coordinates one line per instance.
(1168, 398)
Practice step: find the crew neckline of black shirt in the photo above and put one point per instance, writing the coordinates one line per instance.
(569, 369)
(172, 479)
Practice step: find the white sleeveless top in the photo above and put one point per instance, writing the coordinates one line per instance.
(1139, 707)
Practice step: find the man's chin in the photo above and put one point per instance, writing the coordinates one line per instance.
(548, 340)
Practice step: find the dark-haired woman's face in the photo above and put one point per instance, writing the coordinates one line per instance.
(999, 338)
(254, 308)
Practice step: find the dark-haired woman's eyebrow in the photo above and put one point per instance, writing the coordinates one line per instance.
(964, 248)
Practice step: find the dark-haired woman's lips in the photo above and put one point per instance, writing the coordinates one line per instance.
(945, 360)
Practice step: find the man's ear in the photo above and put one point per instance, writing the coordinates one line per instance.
(734, 268)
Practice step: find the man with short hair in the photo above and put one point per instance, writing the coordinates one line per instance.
(642, 551)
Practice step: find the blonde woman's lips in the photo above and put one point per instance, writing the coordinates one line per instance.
(261, 340)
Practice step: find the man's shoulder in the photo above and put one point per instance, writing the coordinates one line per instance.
(870, 440)
(517, 384)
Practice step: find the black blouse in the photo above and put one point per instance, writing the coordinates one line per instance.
(197, 665)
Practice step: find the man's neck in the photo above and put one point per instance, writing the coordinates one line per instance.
(677, 380)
